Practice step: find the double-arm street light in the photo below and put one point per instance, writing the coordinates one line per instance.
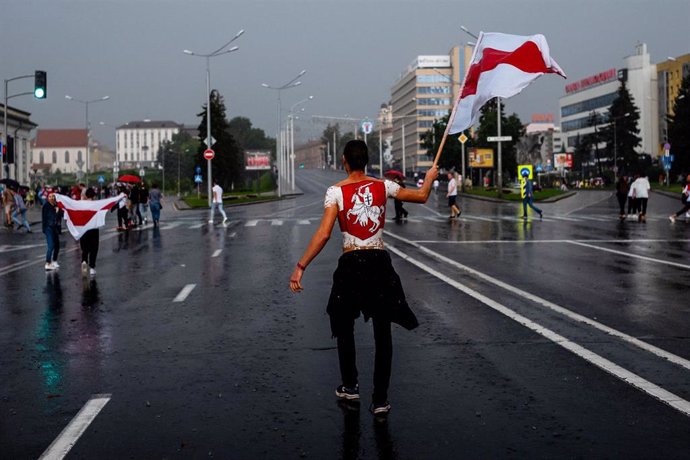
(279, 145)
(88, 126)
(219, 52)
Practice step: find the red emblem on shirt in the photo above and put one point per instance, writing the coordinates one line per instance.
(364, 210)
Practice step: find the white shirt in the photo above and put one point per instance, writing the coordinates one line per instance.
(217, 193)
(452, 188)
(640, 187)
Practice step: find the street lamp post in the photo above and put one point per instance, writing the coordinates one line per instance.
(220, 51)
(292, 138)
(88, 127)
(279, 147)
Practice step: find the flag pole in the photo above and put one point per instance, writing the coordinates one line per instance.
(457, 102)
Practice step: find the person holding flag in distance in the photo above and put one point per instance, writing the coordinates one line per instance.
(365, 280)
(84, 218)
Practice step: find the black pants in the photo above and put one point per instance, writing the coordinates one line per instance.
(622, 197)
(122, 216)
(642, 206)
(399, 210)
(632, 205)
(89, 247)
(686, 208)
(382, 360)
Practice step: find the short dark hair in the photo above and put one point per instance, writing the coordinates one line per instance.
(90, 193)
(356, 154)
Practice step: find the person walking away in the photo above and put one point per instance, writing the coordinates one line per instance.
(685, 194)
(7, 204)
(365, 280)
(641, 189)
(144, 201)
(134, 199)
(89, 243)
(622, 190)
(20, 210)
(217, 202)
(51, 216)
(122, 211)
(632, 199)
(528, 199)
(400, 212)
(155, 197)
(452, 196)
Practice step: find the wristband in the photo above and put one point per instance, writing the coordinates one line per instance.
(300, 266)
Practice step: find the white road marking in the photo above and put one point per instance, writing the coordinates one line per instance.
(217, 252)
(233, 235)
(76, 427)
(304, 222)
(197, 225)
(184, 293)
(251, 223)
(276, 222)
(635, 256)
(552, 306)
(632, 379)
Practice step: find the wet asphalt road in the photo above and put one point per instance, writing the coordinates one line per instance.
(561, 338)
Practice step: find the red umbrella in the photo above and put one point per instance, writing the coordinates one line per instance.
(394, 173)
(129, 178)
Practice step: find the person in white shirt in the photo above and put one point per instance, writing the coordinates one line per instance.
(640, 190)
(217, 202)
(452, 195)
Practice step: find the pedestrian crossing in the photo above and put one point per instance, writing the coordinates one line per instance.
(269, 222)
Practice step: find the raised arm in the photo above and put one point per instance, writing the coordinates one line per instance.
(419, 195)
(318, 241)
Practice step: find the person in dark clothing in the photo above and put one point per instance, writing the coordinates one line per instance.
(365, 281)
(622, 190)
(528, 198)
(89, 244)
(685, 198)
(51, 216)
(135, 199)
(143, 201)
(400, 211)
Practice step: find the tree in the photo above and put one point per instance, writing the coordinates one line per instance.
(177, 157)
(228, 164)
(624, 116)
(510, 126)
(679, 129)
(451, 155)
(250, 138)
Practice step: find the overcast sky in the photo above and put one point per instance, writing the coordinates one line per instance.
(353, 51)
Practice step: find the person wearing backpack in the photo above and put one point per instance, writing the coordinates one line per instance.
(685, 194)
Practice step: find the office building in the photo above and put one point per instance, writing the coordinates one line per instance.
(138, 142)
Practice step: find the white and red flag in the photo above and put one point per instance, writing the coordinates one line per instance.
(502, 65)
(83, 215)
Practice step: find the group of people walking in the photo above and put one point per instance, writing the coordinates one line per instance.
(635, 193)
(14, 209)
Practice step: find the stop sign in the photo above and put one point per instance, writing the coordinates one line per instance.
(209, 154)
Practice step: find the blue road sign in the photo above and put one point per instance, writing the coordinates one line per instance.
(101, 179)
(540, 168)
(198, 179)
(197, 170)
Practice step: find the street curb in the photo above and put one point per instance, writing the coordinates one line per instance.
(180, 205)
(498, 200)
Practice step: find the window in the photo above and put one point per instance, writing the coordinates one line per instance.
(66, 156)
(588, 105)
(433, 78)
(41, 157)
(433, 90)
(79, 156)
(54, 157)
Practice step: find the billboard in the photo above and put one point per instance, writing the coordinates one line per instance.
(481, 158)
(563, 160)
(257, 160)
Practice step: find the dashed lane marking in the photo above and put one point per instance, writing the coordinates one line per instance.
(184, 293)
(217, 252)
(76, 427)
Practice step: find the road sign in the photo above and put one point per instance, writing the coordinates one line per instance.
(142, 172)
(462, 138)
(213, 141)
(197, 170)
(197, 179)
(539, 168)
(499, 138)
(367, 126)
(101, 179)
(209, 154)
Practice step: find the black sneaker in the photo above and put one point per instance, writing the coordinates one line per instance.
(344, 392)
(380, 409)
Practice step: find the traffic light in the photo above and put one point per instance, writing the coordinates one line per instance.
(9, 158)
(40, 84)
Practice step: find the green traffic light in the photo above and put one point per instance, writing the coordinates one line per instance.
(39, 93)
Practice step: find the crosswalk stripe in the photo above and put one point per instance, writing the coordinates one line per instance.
(251, 223)
(276, 222)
